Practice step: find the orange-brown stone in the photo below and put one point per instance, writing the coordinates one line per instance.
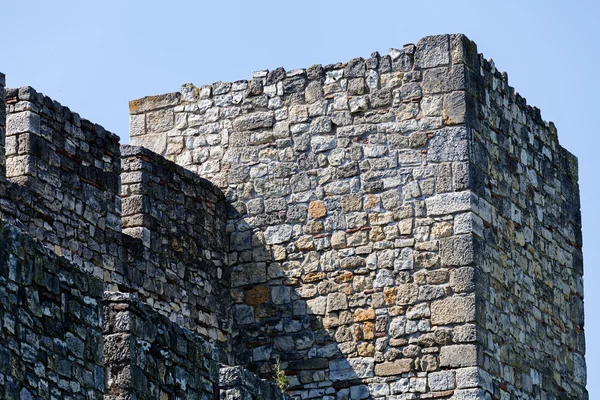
(257, 295)
(313, 277)
(366, 350)
(316, 209)
(389, 295)
(364, 314)
(371, 201)
(344, 277)
(394, 368)
(368, 330)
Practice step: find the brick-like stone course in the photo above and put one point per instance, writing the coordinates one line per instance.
(528, 256)
(50, 323)
(349, 182)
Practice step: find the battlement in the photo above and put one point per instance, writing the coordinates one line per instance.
(63, 186)
(389, 227)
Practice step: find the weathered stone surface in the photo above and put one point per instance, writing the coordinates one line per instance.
(254, 121)
(393, 368)
(456, 250)
(464, 355)
(448, 203)
(433, 51)
(278, 234)
(454, 309)
(351, 368)
(316, 209)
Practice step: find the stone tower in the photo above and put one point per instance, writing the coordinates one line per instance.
(402, 227)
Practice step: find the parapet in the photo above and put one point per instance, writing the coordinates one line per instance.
(65, 175)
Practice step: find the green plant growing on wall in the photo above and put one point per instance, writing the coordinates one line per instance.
(282, 380)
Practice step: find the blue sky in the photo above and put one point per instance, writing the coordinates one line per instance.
(96, 56)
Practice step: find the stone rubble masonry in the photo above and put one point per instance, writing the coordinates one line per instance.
(64, 190)
(64, 172)
(146, 356)
(398, 227)
(399, 221)
(239, 383)
(527, 255)
(50, 323)
(180, 220)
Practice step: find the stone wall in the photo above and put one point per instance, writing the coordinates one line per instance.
(180, 220)
(528, 246)
(240, 384)
(2, 129)
(397, 227)
(361, 193)
(50, 334)
(65, 175)
(149, 357)
(350, 185)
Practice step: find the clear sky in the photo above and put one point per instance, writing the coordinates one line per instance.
(95, 56)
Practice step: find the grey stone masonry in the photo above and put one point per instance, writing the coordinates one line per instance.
(527, 253)
(180, 220)
(146, 356)
(50, 324)
(399, 227)
(64, 174)
(404, 226)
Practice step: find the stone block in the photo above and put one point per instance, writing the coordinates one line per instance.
(460, 355)
(449, 144)
(456, 250)
(351, 368)
(441, 380)
(394, 367)
(23, 122)
(452, 310)
(254, 121)
(448, 203)
(433, 51)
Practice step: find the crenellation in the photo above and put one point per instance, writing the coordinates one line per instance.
(64, 175)
(398, 226)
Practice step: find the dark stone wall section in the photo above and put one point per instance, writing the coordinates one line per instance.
(180, 220)
(50, 329)
(148, 357)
